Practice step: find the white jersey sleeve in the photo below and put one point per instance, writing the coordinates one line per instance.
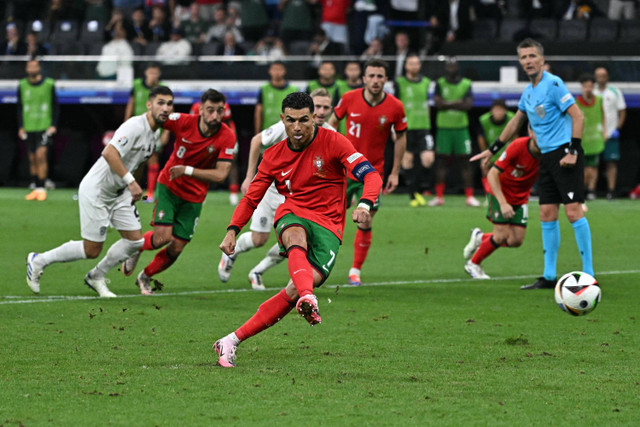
(272, 134)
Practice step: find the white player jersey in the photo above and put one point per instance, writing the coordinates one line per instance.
(612, 103)
(276, 133)
(135, 141)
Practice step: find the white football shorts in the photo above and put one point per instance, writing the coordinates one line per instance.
(263, 216)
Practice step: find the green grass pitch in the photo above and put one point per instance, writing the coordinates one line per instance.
(419, 344)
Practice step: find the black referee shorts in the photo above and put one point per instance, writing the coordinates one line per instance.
(36, 140)
(558, 184)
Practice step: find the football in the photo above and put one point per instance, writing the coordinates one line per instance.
(577, 293)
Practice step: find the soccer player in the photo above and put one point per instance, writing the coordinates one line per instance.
(557, 123)
(510, 179)
(453, 98)
(593, 134)
(492, 124)
(615, 113)
(262, 219)
(136, 106)
(370, 115)
(413, 90)
(309, 169)
(202, 154)
(38, 113)
(106, 197)
(352, 80)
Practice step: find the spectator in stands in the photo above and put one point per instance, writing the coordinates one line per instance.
(139, 28)
(451, 21)
(373, 51)
(62, 11)
(208, 8)
(322, 45)
(413, 11)
(176, 50)
(230, 47)
(334, 21)
(401, 49)
(34, 47)
(97, 10)
(622, 9)
(270, 47)
(352, 80)
(255, 20)
(127, 6)
(13, 45)
(267, 111)
(534, 9)
(579, 9)
(194, 28)
(159, 25)
(117, 20)
(297, 20)
(115, 53)
(224, 24)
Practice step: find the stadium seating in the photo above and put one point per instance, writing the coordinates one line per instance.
(485, 29)
(630, 31)
(603, 30)
(544, 28)
(510, 28)
(65, 32)
(575, 30)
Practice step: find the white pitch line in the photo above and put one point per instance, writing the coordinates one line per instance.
(16, 299)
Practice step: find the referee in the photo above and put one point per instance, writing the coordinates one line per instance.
(557, 122)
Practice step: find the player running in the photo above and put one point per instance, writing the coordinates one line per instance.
(106, 197)
(309, 168)
(202, 153)
(510, 180)
(371, 113)
(262, 219)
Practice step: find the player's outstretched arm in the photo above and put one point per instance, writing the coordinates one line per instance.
(252, 166)
(218, 174)
(112, 156)
(398, 152)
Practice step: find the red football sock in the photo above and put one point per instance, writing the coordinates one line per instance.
(148, 241)
(440, 190)
(269, 313)
(485, 185)
(361, 245)
(468, 192)
(152, 177)
(160, 263)
(300, 270)
(234, 188)
(486, 248)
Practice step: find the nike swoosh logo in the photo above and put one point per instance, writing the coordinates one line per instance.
(298, 271)
(187, 141)
(286, 173)
(355, 115)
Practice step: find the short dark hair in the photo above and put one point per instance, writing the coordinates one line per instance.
(586, 77)
(160, 90)
(152, 64)
(213, 96)
(298, 101)
(529, 42)
(499, 102)
(377, 62)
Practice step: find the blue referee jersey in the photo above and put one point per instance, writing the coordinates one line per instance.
(545, 106)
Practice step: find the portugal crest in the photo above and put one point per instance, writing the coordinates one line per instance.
(318, 163)
(382, 120)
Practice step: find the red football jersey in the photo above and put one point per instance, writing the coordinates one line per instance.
(313, 181)
(519, 171)
(368, 127)
(193, 149)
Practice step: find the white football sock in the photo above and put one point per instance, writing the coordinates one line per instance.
(117, 253)
(272, 259)
(73, 250)
(355, 271)
(243, 244)
(234, 338)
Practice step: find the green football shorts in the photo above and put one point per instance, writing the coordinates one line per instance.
(172, 210)
(453, 141)
(494, 214)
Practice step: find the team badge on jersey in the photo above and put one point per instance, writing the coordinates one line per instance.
(382, 120)
(211, 149)
(318, 162)
(540, 111)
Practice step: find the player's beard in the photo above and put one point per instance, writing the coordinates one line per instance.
(213, 127)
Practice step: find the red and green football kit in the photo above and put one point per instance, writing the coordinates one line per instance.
(369, 127)
(313, 181)
(519, 171)
(191, 148)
